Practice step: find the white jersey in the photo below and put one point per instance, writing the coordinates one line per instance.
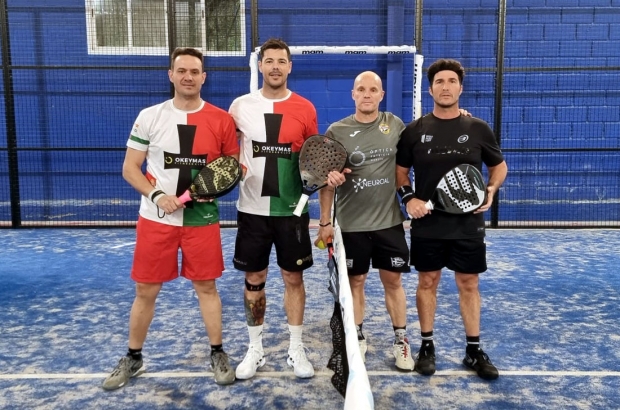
(178, 144)
(272, 133)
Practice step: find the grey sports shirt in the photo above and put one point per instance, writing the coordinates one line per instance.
(367, 200)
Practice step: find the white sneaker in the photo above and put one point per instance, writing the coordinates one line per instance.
(402, 354)
(253, 359)
(299, 362)
(363, 349)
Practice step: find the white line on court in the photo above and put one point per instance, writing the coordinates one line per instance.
(172, 375)
(122, 245)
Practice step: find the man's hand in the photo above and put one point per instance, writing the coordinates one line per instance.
(335, 178)
(416, 208)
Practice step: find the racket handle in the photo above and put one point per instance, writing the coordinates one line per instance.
(429, 205)
(185, 197)
(300, 205)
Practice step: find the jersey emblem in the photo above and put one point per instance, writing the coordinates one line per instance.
(354, 133)
(384, 128)
(463, 138)
(426, 138)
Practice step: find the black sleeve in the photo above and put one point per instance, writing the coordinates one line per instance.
(404, 149)
(491, 154)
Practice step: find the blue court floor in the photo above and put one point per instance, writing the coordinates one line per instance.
(550, 323)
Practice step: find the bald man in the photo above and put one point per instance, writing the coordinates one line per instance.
(368, 211)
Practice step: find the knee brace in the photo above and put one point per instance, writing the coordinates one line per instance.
(254, 288)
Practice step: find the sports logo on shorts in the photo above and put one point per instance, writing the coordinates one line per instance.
(397, 262)
(384, 128)
(349, 263)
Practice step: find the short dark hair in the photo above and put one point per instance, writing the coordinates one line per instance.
(186, 51)
(275, 44)
(445, 64)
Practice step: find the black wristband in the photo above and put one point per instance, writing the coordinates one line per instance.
(153, 195)
(324, 225)
(405, 193)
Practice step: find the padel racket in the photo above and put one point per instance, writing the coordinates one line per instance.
(460, 190)
(319, 156)
(216, 179)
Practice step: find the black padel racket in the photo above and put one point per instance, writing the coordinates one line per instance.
(318, 157)
(216, 179)
(460, 190)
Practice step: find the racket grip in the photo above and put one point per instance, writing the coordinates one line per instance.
(300, 205)
(185, 197)
(429, 205)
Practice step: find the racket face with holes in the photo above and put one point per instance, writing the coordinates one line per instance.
(461, 190)
(216, 179)
(319, 156)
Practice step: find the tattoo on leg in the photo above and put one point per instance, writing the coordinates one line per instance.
(255, 310)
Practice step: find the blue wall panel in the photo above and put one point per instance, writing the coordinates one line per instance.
(546, 104)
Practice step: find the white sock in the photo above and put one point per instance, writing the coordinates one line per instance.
(295, 332)
(256, 336)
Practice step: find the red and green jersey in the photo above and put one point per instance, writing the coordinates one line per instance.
(178, 144)
(272, 133)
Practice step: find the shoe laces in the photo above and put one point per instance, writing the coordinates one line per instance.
(124, 366)
(219, 360)
(254, 353)
(403, 347)
(298, 353)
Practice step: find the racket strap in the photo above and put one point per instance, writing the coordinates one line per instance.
(405, 193)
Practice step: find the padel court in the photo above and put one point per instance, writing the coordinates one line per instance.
(550, 323)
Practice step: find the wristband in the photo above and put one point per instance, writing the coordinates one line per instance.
(325, 224)
(154, 194)
(405, 193)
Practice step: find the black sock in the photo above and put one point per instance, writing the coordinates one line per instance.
(360, 335)
(400, 334)
(135, 354)
(473, 344)
(216, 348)
(427, 341)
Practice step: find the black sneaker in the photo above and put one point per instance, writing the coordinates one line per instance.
(481, 363)
(425, 362)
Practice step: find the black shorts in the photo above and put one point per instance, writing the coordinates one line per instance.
(460, 255)
(387, 248)
(256, 234)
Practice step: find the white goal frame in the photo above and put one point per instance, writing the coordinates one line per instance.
(357, 50)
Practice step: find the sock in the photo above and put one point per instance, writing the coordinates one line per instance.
(473, 344)
(135, 354)
(360, 335)
(427, 341)
(295, 332)
(400, 334)
(256, 336)
(216, 348)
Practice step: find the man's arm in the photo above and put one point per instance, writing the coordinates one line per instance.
(415, 207)
(497, 175)
(132, 173)
(326, 200)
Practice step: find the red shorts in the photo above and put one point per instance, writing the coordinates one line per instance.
(156, 258)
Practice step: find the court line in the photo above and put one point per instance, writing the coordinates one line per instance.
(179, 375)
(122, 245)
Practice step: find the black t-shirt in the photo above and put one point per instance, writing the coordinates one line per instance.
(433, 146)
